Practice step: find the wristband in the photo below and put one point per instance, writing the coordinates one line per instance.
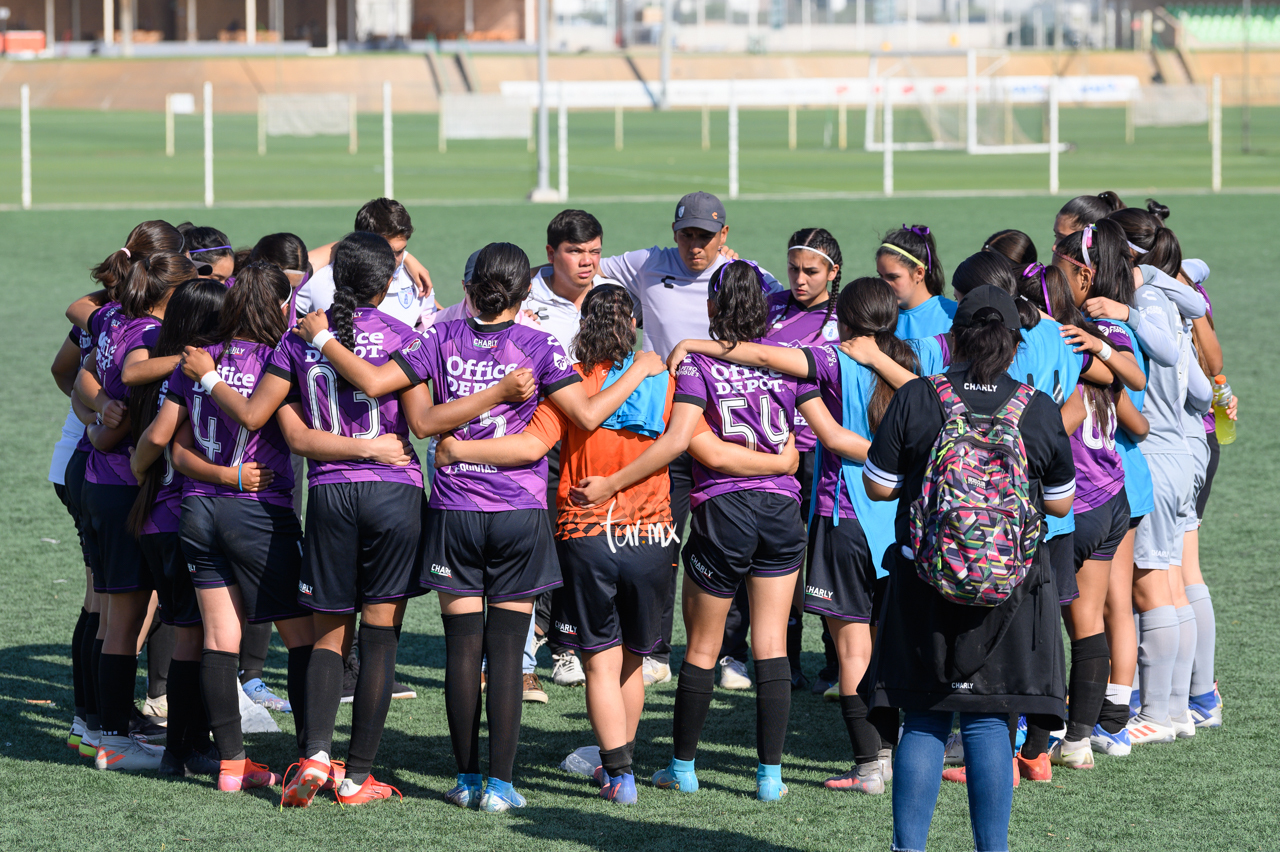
(322, 338)
(1105, 352)
(240, 477)
(210, 380)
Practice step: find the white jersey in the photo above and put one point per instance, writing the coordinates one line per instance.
(671, 299)
(72, 432)
(402, 302)
(556, 314)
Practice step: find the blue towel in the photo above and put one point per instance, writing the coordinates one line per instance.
(877, 518)
(643, 411)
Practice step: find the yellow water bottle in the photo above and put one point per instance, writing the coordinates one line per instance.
(1223, 425)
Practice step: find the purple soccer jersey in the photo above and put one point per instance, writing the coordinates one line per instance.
(84, 340)
(827, 383)
(464, 356)
(1099, 469)
(748, 406)
(330, 404)
(166, 512)
(791, 324)
(223, 441)
(119, 336)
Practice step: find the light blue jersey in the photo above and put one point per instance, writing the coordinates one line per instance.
(1137, 476)
(931, 317)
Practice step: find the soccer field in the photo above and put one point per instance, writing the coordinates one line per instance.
(1217, 791)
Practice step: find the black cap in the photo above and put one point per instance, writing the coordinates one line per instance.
(981, 302)
(471, 267)
(699, 210)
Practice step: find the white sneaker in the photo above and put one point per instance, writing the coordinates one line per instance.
(1141, 731)
(1074, 755)
(567, 670)
(655, 671)
(261, 695)
(157, 707)
(76, 734)
(733, 674)
(1184, 726)
(954, 754)
(128, 754)
(885, 756)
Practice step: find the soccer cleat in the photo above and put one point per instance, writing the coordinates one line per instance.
(500, 797)
(1073, 755)
(262, 696)
(823, 683)
(832, 693)
(733, 674)
(146, 729)
(620, 789)
(1206, 710)
(400, 690)
(953, 754)
(127, 754)
(237, 775)
(1020, 736)
(89, 744)
(865, 778)
(349, 793)
(567, 670)
(1105, 742)
(1036, 768)
(533, 690)
(312, 775)
(679, 776)
(1142, 731)
(1184, 726)
(769, 786)
(885, 756)
(337, 771)
(655, 671)
(157, 707)
(600, 776)
(958, 775)
(798, 680)
(195, 764)
(467, 792)
(1135, 703)
(76, 734)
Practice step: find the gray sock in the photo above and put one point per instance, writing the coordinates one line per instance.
(1180, 690)
(1157, 653)
(1206, 635)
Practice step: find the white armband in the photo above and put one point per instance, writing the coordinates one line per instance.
(322, 338)
(209, 380)
(1105, 352)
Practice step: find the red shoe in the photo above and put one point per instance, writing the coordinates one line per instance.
(1034, 769)
(957, 774)
(370, 791)
(337, 771)
(312, 775)
(237, 775)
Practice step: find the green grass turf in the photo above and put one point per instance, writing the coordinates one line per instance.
(89, 157)
(1218, 791)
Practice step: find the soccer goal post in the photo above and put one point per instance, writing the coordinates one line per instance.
(1166, 106)
(485, 117)
(307, 115)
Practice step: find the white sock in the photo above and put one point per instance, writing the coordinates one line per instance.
(322, 756)
(1118, 693)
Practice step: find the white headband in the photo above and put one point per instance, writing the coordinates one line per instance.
(815, 251)
(1138, 249)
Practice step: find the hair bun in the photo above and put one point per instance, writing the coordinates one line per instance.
(1157, 209)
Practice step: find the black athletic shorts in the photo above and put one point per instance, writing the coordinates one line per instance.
(362, 545)
(233, 541)
(1099, 531)
(73, 496)
(742, 533)
(842, 575)
(168, 566)
(115, 557)
(1062, 559)
(1202, 498)
(611, 595)
(502, 556)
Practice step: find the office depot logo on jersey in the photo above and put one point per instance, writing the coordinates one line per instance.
(730, 378)
(469, 376)
(241, 383)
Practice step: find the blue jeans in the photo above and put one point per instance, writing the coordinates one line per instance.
(917, 774)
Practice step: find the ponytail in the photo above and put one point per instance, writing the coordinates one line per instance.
(868, 308)
(363, 264)
(988, 267)
(150, 280)
(989, 348)
(252, 310)
(1103, 248)
(147, 238)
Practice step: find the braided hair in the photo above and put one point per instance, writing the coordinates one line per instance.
(820, 241)
(362, 267)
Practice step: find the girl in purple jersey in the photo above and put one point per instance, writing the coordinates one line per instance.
(493, 539)
(122, 356)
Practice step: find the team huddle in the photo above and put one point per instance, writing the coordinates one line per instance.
(941, 482)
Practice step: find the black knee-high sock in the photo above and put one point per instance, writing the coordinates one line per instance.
(94, 661)
(254, 642)
(795, 638)
(693, 702)
(184, 699)
(862, 736)
(117, 674)
(1090, 669)
(464, 649)
(372, 698)
(1112, 717)
(296, 683)
(504, 634)
(773, 707)
(885, 721)
(218, 683)
(324, 694)
(1039, 727)
(77, 663)
(631, 752)
(160, 645)
(616, 761)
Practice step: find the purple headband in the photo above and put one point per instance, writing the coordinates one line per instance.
(1032, 271)
(212, 248)
(923, 233)
(715, 281)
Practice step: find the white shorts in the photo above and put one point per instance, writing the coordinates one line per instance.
(1158, 541)
(1199, 455)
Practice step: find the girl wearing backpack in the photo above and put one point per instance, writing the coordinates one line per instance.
(997, 651)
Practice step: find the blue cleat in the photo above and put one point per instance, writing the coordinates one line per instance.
(500, 797)
(620, 789)
(769, 786)
(467, 792)
(678, 775)
(1206, 710)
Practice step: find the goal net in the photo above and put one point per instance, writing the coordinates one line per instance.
(307, 115)
(485, 117)
(1169, 106)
